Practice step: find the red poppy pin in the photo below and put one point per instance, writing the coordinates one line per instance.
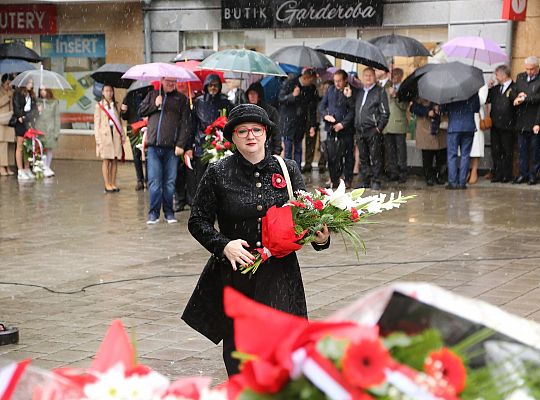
(278, 181)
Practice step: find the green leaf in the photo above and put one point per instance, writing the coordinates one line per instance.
(251, 395)
(332, 348)
(398, 339)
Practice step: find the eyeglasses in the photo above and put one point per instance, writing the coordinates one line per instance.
(244, 132)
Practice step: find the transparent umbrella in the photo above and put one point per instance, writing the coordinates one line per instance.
(242, 61)
(42, 78)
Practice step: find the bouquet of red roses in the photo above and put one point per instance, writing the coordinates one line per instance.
(286, 229)
(33, 151)
(216, 146)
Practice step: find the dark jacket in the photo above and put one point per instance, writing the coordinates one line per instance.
(502, 106)
(206, 109)
(274, 141)
(133, 100)
(298, 114)
(461, 114)
(374, 113)
(526, 112)
(228, 193)
(19, 101)
(168, 126)
(335, 103)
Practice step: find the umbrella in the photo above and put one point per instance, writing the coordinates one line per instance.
(402, 46)
(158, 70)
(244, 61)
(196, 54)
(42, 78)
(111, 74)
(408, 90)
(10, 65)
(356, 51)
(19, 51)
(475, 48)
(448, 83)
(140, 86)
(301, 56)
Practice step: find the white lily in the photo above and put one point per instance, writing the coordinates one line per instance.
(339, 198)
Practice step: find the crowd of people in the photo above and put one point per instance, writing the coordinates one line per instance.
(358, 128)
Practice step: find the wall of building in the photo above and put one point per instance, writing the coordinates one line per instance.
(526, 37)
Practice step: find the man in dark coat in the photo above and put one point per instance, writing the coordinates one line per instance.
(169, 124)
(206, 109)
(501, 97)
(371, 116)
(298, 100)
(338, 115)
(527, 103)
(255, 95)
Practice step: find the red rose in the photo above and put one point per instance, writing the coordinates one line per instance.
(354, 214)
(278, 181)
(219, 147)
(446, 365)
(323, 191)
(298, 204)
(227, 145)
(364, 363)
(318, 205)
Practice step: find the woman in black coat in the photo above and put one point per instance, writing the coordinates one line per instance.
(238, 191)
(25, 111)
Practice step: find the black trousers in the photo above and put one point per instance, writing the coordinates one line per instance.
(311, 144)
(140, 166)
(193, 177)
(231, 364)
(431, 172)
(181, 193)
(343, 164)
(371, 158)
(502, 150)
(395, 147)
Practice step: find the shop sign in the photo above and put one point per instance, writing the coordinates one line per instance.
(245, 14)
(25, 19)
(514, 10)
(92, 46)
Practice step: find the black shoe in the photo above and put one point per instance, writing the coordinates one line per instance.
(179, 207)
(109, 190)
(322, 170)
(506, 180)
(375, 186)
(306, 170)
(362, 185)
(532, 181)
(462, 187)
(496, 179)
(519, 180)
(451, 187)
(140, 186)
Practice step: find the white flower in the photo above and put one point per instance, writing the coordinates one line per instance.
(340, 199)
(215, 394)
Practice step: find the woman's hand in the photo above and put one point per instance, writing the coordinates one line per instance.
(237, 254)
(321, 237)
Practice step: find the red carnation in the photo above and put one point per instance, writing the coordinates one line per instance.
(318, 205)
(364, 363)
(298, 204)
(354, 214)
(447, 365)
(227, 145)
(278, 181)
(323, 191)
(219, 147)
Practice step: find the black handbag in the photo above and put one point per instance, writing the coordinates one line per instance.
(12, 121)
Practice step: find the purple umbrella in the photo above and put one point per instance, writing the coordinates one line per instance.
(158, 70)
(328, 75)
(475, 48)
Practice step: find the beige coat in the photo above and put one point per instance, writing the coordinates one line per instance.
(424, 139)
(108, 145)
(7, 134)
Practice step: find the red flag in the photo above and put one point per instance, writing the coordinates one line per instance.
(10, 376)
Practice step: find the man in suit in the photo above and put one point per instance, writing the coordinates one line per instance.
(298, 100)
(371, 117)
(527, 103)
(338, 115)
(395, 144)
(501, 97)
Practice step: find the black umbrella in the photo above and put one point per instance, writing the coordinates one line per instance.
(196, 54)
(19, 51)
(301, 56)
(111, 74)
(408, 90)
(140, 86)
(354, 50)
(448, 83)
(397, 45)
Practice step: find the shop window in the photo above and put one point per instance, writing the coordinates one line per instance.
(193, 40)
(75, 57)
(252, 40)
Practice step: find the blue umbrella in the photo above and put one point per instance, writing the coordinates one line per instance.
(272, 84)
(11, 65)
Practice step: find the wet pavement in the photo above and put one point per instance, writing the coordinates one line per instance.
(73, 258)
